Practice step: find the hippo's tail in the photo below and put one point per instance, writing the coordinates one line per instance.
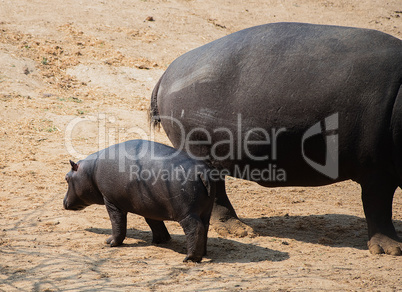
(153, 112)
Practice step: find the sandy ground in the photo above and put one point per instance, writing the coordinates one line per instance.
(76, 76)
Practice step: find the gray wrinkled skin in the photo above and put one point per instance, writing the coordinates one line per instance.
(293, 75)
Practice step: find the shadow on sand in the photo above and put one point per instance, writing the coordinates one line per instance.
(220, 250)
(335, 230)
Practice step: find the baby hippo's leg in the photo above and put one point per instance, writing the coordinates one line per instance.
(159, 232)
(119, 224)
(205, 221)
(195, 233)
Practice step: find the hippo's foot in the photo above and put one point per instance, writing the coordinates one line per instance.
(232, 227)
(224, 218)
(192, 258)
(113, 242)
(381, 243)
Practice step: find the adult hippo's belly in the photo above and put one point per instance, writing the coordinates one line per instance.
(292, 104)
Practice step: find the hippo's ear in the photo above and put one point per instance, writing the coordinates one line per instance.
(74, 166)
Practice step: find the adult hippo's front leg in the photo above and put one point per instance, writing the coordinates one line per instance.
(377, 195)
(224, 218)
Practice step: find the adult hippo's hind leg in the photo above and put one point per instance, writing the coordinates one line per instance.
(377, 195)
(224, 218)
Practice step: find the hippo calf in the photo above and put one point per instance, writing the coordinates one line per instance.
(149, 179)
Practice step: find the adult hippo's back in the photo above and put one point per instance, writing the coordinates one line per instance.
(292, 104)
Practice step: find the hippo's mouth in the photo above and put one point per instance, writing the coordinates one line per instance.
(70, 207)
(76, 208)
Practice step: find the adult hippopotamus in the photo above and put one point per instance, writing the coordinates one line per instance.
(306, 104)
(149, 179)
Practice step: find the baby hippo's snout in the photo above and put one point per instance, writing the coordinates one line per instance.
(65, 205)
(71, 205)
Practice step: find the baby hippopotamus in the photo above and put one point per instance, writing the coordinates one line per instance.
(149, 179)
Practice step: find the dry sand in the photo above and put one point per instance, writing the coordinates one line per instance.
(85, 70)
